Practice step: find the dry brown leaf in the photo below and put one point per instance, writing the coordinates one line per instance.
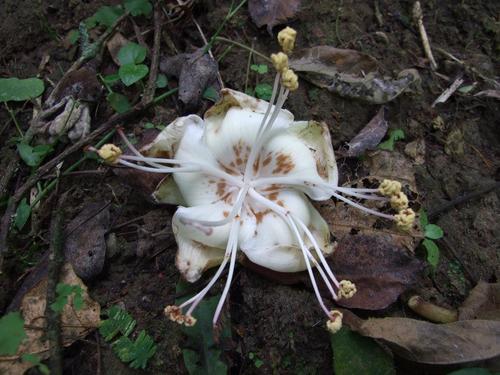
(438, 344)
(75, 324)
(114, 45)
(370, 136)
(272, 12)
(483, 302)
(350, 74)
(85, 246)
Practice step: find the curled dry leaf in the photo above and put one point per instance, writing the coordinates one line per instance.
(85, 245)
(350, 74)
(272, 12)
(439, 344)
(483, 302)
(370, 136)
(31, 301)
(196, 72)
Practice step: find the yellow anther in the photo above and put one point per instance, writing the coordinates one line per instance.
(405, 219)
(347, 289)
(389, 188)
(110, 153)
(334, 324)
(280, 61)
(399, 201)
(286, 39)
(289, 79)
(189, 321)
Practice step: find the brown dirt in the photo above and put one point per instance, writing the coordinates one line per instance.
(280, 324)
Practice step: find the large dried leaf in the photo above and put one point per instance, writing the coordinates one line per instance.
(350, 74)
(439, 344)
(370, 136)
(31, 301)
(85, 245)
(272, 12)
(196, 72)
(483, 302)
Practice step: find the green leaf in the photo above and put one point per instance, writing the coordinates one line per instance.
(138, 7)
(33, 156)
(111, 79)
(424, 220)
(355, 354)
(64, 291)
(35, 360)
(131, 73)
(161, 81)
(263, 91)
(15, 89)
(433, 231)
(23, 213)
(466, 89)
(259, 68)
(200, 336)
(394, 135)
(106, 15)
(258, 363)
(211, 94)
(11, 333)
(136, 352)
(73, 36)
(191, 359)
(149, 125)
(131, 53)
(432, 252)
(119, 321)
(118, 102)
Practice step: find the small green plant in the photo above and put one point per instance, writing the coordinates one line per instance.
(394, 135)
(263, 91)
(36, 361)
(431, 232)
(19, 90)
(259, 68)
(136, 353)
(12, 333)
(138, 7)
(64, 291)
(131, 70)
(23, 213)
(33, 155)
(257, 362)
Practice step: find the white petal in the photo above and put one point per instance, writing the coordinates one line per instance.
(273, 244)
(232, 126)
(303, 151)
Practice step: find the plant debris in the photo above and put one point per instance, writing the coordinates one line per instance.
(272, 12)
(369, 137)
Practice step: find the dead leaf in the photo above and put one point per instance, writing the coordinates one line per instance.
(416, 150)
(75, 324)
(439, 344)
(272, 12)
(196, 72)
(350, 74)
(85, 245)
(392, 165)
(370, 136)
(489, 94)
(483, 302)
(114, 45)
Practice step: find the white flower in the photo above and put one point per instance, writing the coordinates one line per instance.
(243, 177)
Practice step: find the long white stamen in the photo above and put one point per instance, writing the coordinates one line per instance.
(362, 208)
(159, 170)
(285, 215)
(229, 276)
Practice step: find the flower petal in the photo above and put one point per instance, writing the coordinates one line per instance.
(273, 244)
(232, 126)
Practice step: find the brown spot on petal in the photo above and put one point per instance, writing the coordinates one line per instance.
(260, 215)
(284, 164)
(225, 213)
(221, 188)
(273, 196)
(267, 160)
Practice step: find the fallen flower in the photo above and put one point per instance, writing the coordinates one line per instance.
(245, 173)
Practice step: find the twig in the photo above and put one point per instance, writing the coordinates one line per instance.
(433, 214)
(248, 69)
(138, 34)
(219, 77)
(56, 262)
(149, 92)
(98, 344)
(418, 17)
(445, 95)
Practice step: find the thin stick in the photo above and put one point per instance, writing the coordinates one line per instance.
(419, 19)
(149, 92)
(56, 262)
(237, 44)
